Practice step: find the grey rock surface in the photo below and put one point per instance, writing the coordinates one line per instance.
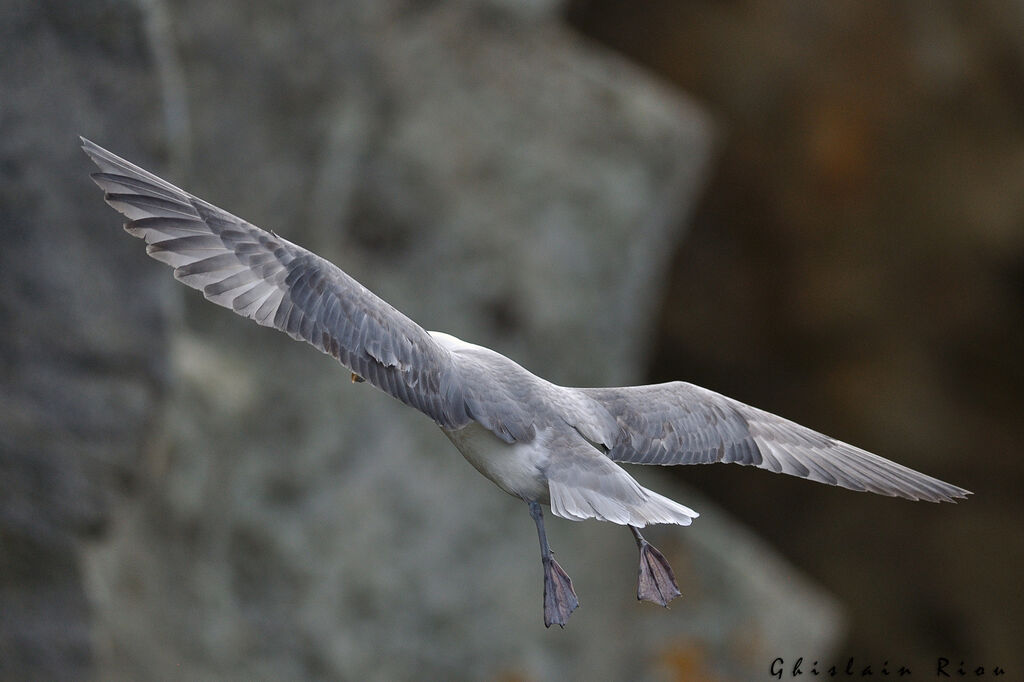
(489, 174)
(83, 333)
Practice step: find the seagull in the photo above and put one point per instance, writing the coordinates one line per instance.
(542, 443)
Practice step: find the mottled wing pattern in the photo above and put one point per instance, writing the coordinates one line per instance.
(512, 402)
(499, 394)
(679, 423)
(278, 284)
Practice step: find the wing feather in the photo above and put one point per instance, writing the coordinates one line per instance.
(679, 423)
(276, 283)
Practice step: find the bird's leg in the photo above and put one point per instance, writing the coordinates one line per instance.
(657, 582)
(559, 598)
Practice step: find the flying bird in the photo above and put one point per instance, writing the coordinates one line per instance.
(540, 442)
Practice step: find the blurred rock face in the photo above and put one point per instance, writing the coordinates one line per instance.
(83, 339)
(483, 171)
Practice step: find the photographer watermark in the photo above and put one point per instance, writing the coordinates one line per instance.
(941, 668)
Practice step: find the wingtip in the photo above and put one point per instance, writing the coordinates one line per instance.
(94, 152)
(92, 149)
(952, 496)
(960, 494)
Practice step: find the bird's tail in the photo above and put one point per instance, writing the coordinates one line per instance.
(584, 484)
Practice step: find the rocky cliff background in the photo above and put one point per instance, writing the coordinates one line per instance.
(184, 495)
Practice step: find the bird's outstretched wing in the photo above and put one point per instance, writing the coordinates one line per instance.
(679, 423)
(278, 284)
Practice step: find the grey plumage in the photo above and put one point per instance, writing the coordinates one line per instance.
(276, 283)
(541, 442)
(679, 423)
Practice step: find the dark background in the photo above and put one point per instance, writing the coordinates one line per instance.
(856, 263)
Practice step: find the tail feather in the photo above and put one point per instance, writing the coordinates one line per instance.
(584, 484)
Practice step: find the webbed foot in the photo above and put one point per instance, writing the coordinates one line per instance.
(657, 582)
(559, 598)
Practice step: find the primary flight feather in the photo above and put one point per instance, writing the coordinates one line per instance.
(543, 443)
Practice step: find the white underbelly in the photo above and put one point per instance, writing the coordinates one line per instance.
(516, 468)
